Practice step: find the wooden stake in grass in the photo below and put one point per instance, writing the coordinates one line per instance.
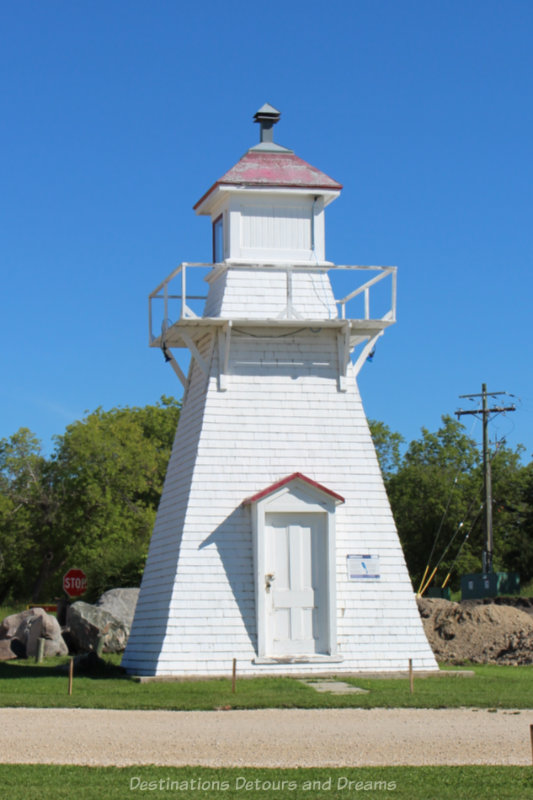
(411, 679)
(234, 675)
(40, 650)
(531, 735)
(70, 675)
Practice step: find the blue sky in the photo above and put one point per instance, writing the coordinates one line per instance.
(118, 115)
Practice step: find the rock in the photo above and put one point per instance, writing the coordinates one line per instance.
(38, 624)
(86, 623)
(46, 627)
(29, 620)
(24, 629)
(111, 617)
(121, 604)
(6, 651)
(11, 624)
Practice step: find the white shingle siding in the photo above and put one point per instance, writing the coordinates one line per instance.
(281, 413)
(262, 294)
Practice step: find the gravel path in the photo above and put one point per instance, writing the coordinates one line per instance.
(265, 738)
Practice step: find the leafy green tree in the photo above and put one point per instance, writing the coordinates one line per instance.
(110, 470)
(522, 554)
(388, 446)
(435, 495)
(27, 510)
(512, 491)
(91, 505)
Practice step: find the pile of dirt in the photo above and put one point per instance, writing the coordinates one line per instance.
(483, 634)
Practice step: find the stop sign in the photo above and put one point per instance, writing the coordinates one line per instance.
(75, 582)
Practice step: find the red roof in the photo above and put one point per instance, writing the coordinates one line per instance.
(288, 479)
(274, 169)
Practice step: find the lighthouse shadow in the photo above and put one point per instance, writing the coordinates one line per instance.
(233, 542)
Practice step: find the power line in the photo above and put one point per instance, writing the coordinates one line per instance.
(486, 414)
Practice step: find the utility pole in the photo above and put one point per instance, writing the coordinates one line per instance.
(486, 412)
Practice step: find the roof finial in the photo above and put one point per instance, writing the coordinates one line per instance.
(267, 116)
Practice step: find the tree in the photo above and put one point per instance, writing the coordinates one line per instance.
(27, 508)
(512, 491)
(92, 504)
(388, 447)
(435, 495)
(110, 470)
(521, 556)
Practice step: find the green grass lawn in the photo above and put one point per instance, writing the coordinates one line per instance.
(43, 782)
(24, 683)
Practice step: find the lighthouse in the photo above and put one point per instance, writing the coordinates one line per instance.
(274, 542)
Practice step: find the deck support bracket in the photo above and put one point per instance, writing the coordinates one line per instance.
(343, 349)
(169, 356)
(365, 352)
(195, 352)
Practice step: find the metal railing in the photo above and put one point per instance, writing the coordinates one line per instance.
(383, 272)
(162, 292)
(185, 311)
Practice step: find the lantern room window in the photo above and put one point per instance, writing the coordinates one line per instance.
(218, 239)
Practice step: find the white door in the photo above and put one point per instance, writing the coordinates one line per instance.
(296, 583)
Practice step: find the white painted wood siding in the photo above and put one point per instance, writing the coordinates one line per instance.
(281, 414)
(268, 227)
(261, 293)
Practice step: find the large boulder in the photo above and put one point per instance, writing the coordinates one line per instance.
(6, 651)
(31, 619)
(40, 625)
(121, 604)
(23, 630)
(87, 623)
(11, 624)
(46, 627)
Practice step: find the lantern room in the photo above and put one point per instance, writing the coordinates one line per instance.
(269, 207)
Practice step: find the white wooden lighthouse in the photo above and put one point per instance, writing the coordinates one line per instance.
(274, 541)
